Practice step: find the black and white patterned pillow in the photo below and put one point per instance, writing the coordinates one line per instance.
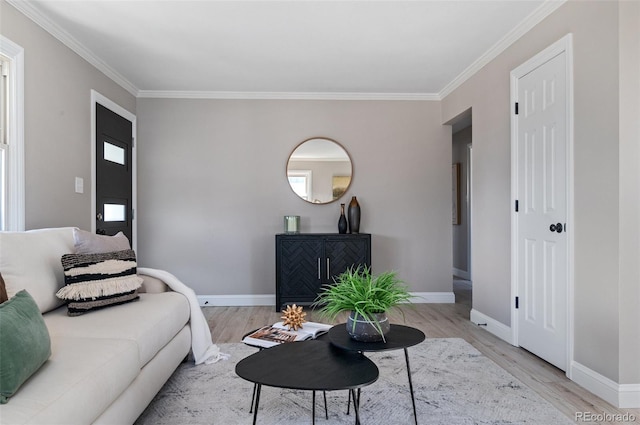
(94, 281)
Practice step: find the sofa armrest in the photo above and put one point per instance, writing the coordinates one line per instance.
(152, 285)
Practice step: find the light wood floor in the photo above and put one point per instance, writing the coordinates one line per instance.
(229, 324)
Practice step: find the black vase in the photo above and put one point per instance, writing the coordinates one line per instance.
(342, 221)
(354, 216)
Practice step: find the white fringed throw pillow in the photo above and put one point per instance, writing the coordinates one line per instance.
(94, 281)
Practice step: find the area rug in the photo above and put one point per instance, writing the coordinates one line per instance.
(453, 383)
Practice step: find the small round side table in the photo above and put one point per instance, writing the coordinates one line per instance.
(398, 337)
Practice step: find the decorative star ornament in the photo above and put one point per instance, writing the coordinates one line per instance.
(293, 317)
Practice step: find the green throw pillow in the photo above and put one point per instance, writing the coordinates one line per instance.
(24, 343)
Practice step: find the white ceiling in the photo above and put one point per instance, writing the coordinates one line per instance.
(357, 48)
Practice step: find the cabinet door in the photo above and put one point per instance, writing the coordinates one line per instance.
(299, 273)
(340, 254)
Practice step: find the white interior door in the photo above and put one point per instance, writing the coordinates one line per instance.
(542, 196)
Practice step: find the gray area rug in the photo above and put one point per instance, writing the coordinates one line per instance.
(453, 383)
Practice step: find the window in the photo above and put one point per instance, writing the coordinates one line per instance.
(4, 146)
(11, 136)
(300, 182)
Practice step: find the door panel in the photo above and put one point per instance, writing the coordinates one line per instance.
(300, 269)
(542, 244)
(341, 254)
(114, 173)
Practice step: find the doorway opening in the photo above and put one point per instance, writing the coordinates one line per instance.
(461, 185)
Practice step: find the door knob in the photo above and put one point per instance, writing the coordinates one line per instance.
(556, 227)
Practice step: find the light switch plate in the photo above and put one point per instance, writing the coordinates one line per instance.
(79, 185)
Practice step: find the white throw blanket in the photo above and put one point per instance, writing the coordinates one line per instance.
(204, 350)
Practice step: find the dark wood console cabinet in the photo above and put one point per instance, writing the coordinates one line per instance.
(305, 262)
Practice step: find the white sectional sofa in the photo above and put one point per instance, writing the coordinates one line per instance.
(106, 365)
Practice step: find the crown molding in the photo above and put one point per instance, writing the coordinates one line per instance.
(177, 94)
(544, 10)
(33, 13)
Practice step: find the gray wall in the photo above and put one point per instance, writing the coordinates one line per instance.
(57, 113)
(597, 277)
(213, 188)
(629, 91)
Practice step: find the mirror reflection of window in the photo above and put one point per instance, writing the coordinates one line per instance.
(300, 181)
(330, 165)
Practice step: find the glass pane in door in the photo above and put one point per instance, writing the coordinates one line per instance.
(114, 153)
(114, 212)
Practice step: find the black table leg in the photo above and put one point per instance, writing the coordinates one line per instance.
(255, 412)
(326, 412)
(413, 400)
(356, 406)
(313, 408)
(255, 386)
(356, 400)
(253, 397)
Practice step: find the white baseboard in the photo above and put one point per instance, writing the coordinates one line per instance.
(269, 299)
(629, 396)
(499, 329)
(624, 396)
(462, 273)
(236, 300)
(433, 298)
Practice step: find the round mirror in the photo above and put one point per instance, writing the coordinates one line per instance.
(319, 170)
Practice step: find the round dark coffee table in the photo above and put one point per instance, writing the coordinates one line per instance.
(398, 337)
(323, 337)
(296, 366)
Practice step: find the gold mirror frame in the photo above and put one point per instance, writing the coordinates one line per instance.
(319, 170)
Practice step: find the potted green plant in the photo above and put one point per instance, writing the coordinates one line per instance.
(368, 298)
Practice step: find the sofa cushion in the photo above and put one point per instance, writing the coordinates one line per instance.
(24, 342)
(95, 281)
(90, 243)
(152, 285)
(150, 322)
(81, 379)
(31, 260)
